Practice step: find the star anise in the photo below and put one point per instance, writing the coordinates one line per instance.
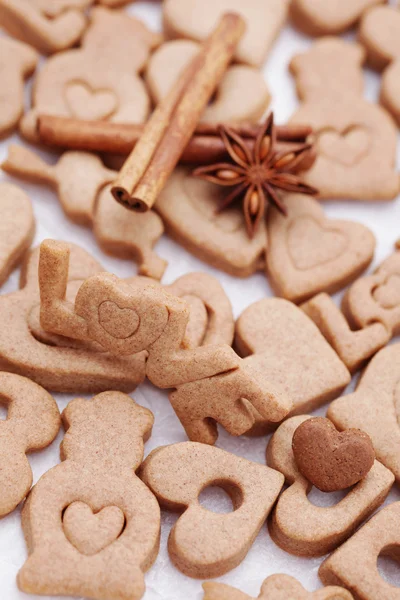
(256, 174)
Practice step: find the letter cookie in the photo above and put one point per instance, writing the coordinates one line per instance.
(275, 587)
(281, 344)
(204, 544)
(92, 527)
(17, 227)
(352, 141)
(99, 80)
(355, 563)
(47, 27)
(374, 407)
(242, 95)
(82, 185)
(380, 34)
(194, 20)
(300, 527)
(309, 253)
(319, 17)
(18, 62)
(32, 423)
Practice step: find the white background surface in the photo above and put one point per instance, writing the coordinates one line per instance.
(164, 582)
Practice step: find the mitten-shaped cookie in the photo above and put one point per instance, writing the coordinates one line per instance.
(91, 525)
(32, 423)
(355, 143)
(204, 544)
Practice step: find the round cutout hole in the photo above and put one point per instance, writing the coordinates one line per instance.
(218, 499)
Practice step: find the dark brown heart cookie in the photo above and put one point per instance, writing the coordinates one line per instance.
(331, 460)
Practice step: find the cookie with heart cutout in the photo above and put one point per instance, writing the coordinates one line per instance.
(309, 253)
(242, 95)
(275, 587)
(18, 62)
(17, 227)
(264, 18)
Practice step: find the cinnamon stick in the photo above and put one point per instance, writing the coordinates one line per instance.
(204, 147)
(173, 122)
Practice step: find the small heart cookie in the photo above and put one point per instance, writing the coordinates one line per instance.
(346, 148)
(118, 322)
(309, 253)
(17, 227)
(195, 20)
(88, 104)
(331, 460)
(91, 532)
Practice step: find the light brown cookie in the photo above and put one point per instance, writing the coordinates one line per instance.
(204, 544)
(100, 80)
(282, 344)
(331, 460)
(17, 227)
(275, 587)
(105, 555)
(318, 17)
(32, 423)
(264, 19)
(242, 95)
(299, 526)
(17, 62)
(49, 30)
(67, 368)
(374, 407)
(380, 34)
(356, 145)
(354, 564)
(187, 206)
(126, 318)
(354, 347)
(82, 185)
(309, 253)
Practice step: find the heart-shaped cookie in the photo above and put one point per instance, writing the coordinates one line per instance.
(17, 227)
(91, 532)
(195, 20)
(309, 253)
(188, 206)
(119, 322)
(346, 148)
(331, 460)
(87, 104)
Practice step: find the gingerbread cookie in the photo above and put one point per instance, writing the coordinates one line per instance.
(275, 587)
(309, 253)
(100, 80)
(356, 145)
(380, 34)
(92, 527)
(354, 564)
(374, 407)
(67, 368)
(18, 61)
(241, 96)
(354, 347)
(17, 227)
(318, 17)
(212, 383)
(299, 526)
(49, 30)
(82, 185)
(281, 344)
(32, 423)
(204, 544)
(187, 206)
(264, 19)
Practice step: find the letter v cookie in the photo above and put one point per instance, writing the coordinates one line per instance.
(91, 526)
(17, 62)
(275, 587)
(32, 423)
(204, 544)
